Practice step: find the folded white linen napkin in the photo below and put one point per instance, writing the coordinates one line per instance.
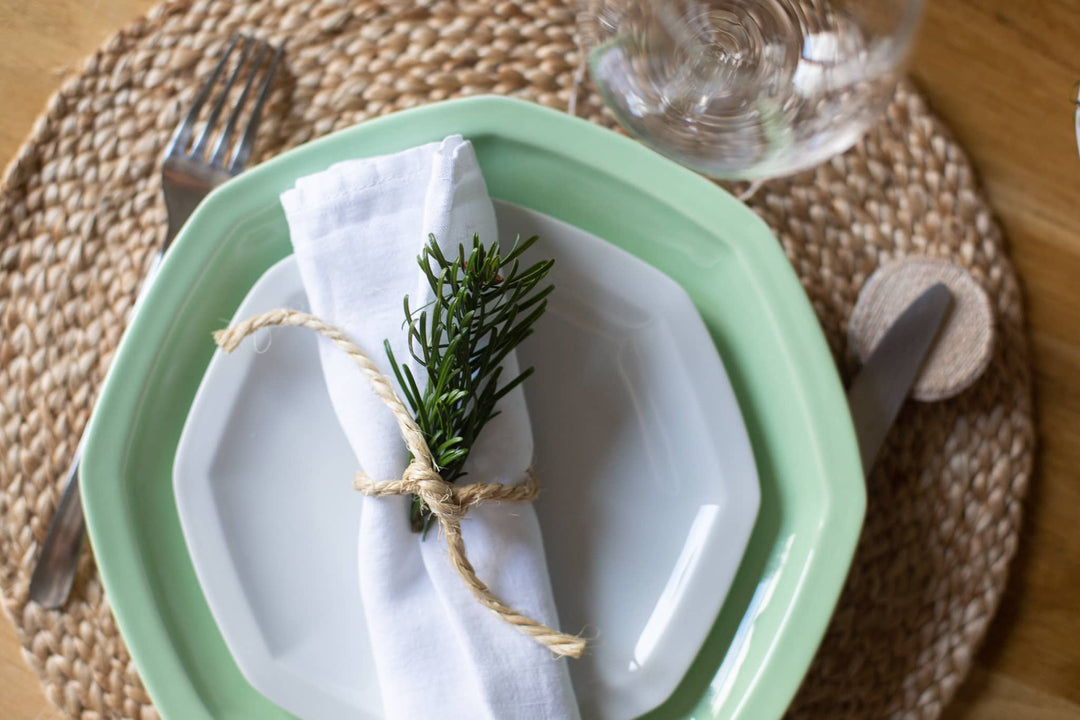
(356, 230)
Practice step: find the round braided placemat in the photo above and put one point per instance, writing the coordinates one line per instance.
(81, 211)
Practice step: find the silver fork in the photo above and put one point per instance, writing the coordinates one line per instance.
(189, 172)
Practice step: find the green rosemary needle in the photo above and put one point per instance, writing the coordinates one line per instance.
(485, 304)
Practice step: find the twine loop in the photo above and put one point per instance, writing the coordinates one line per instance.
(448, 503)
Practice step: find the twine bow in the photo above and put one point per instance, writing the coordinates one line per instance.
(448, 503)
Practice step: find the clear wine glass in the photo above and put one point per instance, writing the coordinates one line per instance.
(748, 89)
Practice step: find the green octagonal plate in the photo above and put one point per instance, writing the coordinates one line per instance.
(812, 491)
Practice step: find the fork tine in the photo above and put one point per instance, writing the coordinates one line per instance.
(223, 97)
(223, 142)
(243, 151)
(182, 135)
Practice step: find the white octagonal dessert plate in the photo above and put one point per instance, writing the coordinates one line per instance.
(650, 490)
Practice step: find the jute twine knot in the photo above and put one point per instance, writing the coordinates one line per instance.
(448, 503)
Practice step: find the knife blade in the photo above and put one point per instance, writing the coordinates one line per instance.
(879, 389)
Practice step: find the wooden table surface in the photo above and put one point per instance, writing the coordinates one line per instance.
(1000, 72)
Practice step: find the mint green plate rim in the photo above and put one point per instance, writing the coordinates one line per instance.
(813, 494)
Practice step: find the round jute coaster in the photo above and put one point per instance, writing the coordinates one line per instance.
(964, 344)
(81, 211)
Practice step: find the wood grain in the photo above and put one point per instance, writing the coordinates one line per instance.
(1000, 73)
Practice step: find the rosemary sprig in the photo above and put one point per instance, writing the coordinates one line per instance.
(484, 306)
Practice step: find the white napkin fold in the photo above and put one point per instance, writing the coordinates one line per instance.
(357, 229)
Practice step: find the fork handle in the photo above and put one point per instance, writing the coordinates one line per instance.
(50, 585)
(54, 573)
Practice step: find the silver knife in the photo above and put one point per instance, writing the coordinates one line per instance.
(879, 389)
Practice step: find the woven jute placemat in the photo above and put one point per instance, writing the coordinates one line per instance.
(81, 211)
